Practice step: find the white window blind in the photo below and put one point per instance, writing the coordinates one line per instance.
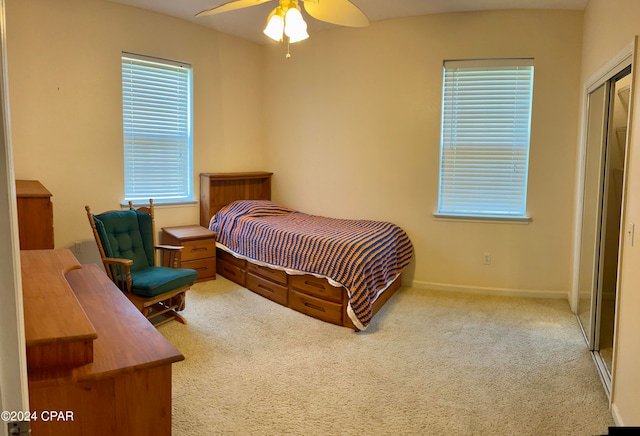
(484, 154)
(156, 107)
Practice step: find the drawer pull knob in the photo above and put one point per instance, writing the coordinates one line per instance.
(313, 306)
(199, 249)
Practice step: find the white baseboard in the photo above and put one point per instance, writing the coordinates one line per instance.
(505, 292)
(616, 415)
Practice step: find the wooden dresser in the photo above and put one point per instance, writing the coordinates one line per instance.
(35, 215)
(91, 355)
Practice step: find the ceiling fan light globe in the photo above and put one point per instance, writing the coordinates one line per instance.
(294, 26)
(298, 37)
(275, 26)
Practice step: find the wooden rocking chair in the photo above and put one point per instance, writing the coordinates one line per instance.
(126, 241)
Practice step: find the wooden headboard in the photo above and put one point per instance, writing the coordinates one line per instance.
(219, 189)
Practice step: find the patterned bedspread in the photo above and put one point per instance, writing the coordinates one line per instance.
(361, 255)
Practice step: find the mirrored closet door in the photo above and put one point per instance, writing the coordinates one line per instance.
(600, 236)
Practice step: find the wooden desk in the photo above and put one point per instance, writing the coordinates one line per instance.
(57, 329)
(126, 389)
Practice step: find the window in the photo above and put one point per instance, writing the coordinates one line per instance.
(484, 148)
(156, 109)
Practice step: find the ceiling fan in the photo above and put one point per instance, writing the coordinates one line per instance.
(286, 19)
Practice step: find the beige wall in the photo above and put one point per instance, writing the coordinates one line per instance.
(351, 123)
(609, 26)
(353, 130)
(65, 91)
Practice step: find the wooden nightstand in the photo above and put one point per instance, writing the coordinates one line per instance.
(199, 250)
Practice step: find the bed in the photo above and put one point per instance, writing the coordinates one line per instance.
(339, 271)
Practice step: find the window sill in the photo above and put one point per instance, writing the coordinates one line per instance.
(158, 204)
(483, 219)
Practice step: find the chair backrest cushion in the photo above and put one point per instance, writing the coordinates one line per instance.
(127, 234)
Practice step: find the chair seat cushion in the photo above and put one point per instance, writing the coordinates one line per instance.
(157, 280)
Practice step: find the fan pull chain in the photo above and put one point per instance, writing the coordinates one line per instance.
(288, 55)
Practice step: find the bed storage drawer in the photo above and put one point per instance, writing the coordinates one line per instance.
(267, 289)
(223, 255)
(270, 274)
(315, 307)
(230, 271)
(316, 287)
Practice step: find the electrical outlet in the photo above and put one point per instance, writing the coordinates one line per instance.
(486, 258)
(78, 246)
(631, 232)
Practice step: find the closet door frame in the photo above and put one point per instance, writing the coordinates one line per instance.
(617, 64)
(608, 72)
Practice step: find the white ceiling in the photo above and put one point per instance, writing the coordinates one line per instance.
(248, 23)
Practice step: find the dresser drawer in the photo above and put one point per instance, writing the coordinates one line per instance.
(223, 255)
(270, 274)
(267, 289)
(198, 249)
(317, 287)
(230, 271)
(315, 307)
(206, 268)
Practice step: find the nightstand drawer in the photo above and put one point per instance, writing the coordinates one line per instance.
(198, 249)
(206, 268)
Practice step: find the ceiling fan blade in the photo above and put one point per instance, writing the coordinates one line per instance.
(341, 12)
(230, 6)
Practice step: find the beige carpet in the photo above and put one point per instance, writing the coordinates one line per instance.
(430, 363)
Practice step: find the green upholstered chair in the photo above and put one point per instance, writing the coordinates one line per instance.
(126, 241)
